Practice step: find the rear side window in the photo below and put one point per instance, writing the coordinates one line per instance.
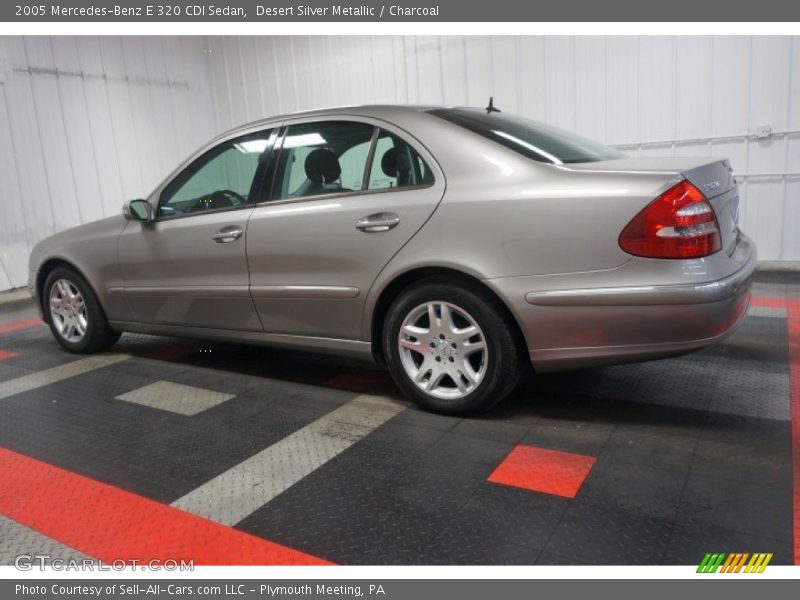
(540, 142)
(322, 158)
(330, 157)
(397, 165)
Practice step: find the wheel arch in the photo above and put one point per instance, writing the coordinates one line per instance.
(409, 278)
(46, 268)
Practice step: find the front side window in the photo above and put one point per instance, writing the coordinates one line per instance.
(222, 178)
(397, 165)
(322, 158)
(540, 142)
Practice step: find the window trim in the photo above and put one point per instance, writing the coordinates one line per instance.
(377, 126)
(373, 144)
(259, 177)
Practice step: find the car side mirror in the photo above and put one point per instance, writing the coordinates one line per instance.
(137, 210)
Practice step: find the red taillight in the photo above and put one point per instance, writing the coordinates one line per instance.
(679, 223)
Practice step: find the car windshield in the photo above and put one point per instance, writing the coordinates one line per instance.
(532, 139)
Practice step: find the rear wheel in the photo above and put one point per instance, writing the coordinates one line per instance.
(74, 314)
(449, 348)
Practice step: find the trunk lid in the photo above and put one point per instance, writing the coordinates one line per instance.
(714, 177)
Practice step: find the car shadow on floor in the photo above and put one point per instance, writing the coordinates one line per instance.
(670, 393)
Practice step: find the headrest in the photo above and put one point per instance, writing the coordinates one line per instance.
(395, 163)
(322, 166)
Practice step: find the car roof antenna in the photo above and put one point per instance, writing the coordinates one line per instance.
(490, 109)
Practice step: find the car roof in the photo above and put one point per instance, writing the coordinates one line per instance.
(382, 111)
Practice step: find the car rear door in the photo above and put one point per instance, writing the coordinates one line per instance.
(188, 266)
(347, 194)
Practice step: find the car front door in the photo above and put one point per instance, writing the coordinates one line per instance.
(188, 265)
(346, 196)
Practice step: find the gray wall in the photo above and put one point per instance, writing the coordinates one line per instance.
(86, 123)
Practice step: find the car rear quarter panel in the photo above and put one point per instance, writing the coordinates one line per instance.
(505, 216)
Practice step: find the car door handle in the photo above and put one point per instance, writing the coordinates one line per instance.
(378, 222)
(228, 234)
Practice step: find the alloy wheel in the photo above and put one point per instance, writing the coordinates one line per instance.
(68, 311)
(443, 350)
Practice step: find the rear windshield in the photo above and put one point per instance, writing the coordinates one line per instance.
(530, 138)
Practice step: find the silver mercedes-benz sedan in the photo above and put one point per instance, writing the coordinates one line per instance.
(452, 244)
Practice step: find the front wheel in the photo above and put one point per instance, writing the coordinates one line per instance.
(74, 314)
(450, 349)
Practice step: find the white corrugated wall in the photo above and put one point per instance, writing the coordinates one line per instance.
(88, 122)
(104, 119)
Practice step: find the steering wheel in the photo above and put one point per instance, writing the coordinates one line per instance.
(216, 200)
(233, 195)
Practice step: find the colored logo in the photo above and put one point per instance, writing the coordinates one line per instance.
(736, 562)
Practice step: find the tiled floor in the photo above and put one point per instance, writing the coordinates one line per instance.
(175, 397)
(322, 459)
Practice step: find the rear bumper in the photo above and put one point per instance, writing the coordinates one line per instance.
(696, 293)
(692, 327)
(594, 325)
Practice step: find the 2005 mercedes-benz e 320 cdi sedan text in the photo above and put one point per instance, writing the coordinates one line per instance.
(453, 244)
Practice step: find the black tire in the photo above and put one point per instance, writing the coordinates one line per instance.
(503, 364)
(99, 336)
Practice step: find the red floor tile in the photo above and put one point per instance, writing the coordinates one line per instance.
(112, 524)
(364, 381)
(542, 470)
(171, 352)
(19, 325)
(793, 324)
(5, 354)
